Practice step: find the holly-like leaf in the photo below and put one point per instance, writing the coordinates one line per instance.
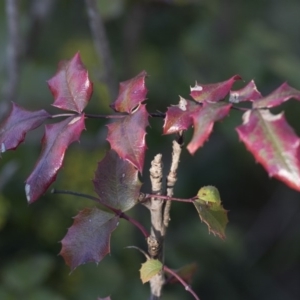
(131, 93)
(209, 194)
(203, 120)
(273, 143)
(71, 86)
(149, 269)
(247, 93)
(19, 121)
(116, 182)
(178, 117)
(127, 136)
(55, 141)
(213, 92)
(88, 239)
(277, 97)
(213, 215)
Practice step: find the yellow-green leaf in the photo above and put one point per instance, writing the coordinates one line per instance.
(211, 211)
(209, 194)
(149, 269)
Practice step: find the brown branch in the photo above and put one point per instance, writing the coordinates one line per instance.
(155, 241)
(102, 46)
(171, 180)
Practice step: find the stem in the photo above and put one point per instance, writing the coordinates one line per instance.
(171, 180)
(93, 116)
(62, 115)
(186, 286)
(163, 197)
(116, 211)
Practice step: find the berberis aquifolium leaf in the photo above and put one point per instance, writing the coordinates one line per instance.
(116, 182)
(55, 142)
(131, 93)
(71, 86)
(15, 127)
(127, 136)
(88, 239)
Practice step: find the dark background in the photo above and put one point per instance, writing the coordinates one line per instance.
(177, 42)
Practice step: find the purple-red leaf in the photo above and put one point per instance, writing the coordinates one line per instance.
(88, 239)
(203, 120)
(127, 136)
(213, 92)
(178, 117)
(19, 121)
(280, 95)
(131, 93)
(55, 141)
(247, 93)
(273, 143)
(116, 182)
(71, 86)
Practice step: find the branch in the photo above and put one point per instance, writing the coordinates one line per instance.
(102, 46)
(155, 241)
(171, 180)
(186, 286)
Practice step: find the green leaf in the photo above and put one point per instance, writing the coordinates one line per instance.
(209, 194)
(211, 211)
(149, 269)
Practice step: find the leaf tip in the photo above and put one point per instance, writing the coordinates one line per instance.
(3, 148)
(27, 192)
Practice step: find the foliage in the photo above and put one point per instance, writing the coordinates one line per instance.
(267, 136)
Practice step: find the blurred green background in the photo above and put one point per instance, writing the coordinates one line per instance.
(176, 42)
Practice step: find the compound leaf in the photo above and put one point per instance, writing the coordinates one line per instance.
(71, 86)
(149, 269)
(213, 215)
(213, 92)
(178, 117)
(19, 121)
(116, 182)
(127, 136)
(277, 97)
(273, 143)
(247, 93)
(56, 140)
(131, 93)
(88, 239)
(203, 120)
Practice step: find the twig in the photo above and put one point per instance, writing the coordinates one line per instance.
(171, 180)
(155, 241)
(13, 54)
(186, 286)
(102, 46)
(116, 211)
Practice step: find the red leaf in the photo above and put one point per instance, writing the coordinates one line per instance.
(277, 97)
(273, 143)
(178, 117)
(71, 86)
(204, 120)
(19, 121)
(55, 141)
(88, 239)
(116, 182)
(247, 93)
(127, 136)
(131, 93)
(213, 92)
